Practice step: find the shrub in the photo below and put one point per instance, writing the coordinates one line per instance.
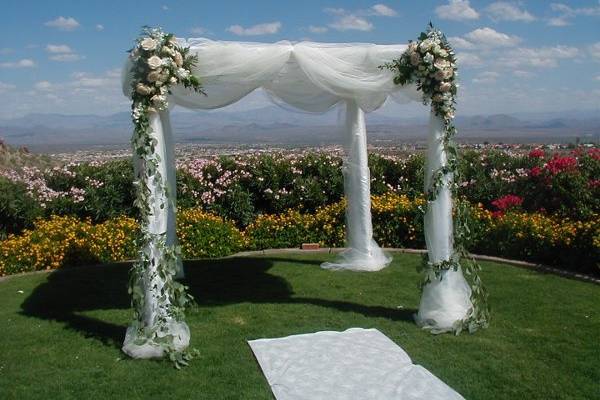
(18, 209)
(289, 229)
(206, 235)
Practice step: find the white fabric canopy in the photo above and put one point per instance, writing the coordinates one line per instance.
(309, 76)
(314, 77)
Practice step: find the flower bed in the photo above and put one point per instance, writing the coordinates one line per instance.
(62, 241)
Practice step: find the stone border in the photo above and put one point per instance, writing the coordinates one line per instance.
(333, 250)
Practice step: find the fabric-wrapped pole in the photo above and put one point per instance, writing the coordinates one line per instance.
(363, 253)
(445, 301)
(161, 225)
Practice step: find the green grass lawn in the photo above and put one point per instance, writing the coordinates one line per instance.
(62, 332)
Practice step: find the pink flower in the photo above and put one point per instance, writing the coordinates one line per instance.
(535, 171)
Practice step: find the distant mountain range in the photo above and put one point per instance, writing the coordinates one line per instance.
(276, 125)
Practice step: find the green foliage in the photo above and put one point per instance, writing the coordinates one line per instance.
(18, 209)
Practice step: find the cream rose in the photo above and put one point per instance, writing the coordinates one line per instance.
(445, 86)
(155, 62)
(178, 58)
(148, 44)
(143, 89)
(153, 76)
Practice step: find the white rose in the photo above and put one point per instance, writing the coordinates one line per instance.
(148, 44)
(428, 58)
(178, 58)
(425, 45)
(143, 89)
(153, 76)
(183, 73)
(155, 62)
(443, 53)
(173, 80)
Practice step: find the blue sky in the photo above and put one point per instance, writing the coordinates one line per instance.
(65, 56)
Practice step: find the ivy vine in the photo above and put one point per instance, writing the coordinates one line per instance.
(430, 63)
(158, 62)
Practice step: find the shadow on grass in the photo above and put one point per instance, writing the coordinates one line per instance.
(68, 293)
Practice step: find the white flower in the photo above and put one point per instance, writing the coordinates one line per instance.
(425, 45)
(173, 41)
(154, 76)
(143, 89)
(173, 80)
(148, 44)
(443, 53)
(183, 73)
(155, 62)
(178, 58)
(428, 58)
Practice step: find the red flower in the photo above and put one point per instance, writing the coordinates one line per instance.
(536, 153)
(535, 171)
(507, 202)
(497, 214)
(594, 153)
(559, 164)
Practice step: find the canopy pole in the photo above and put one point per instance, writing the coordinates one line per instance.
(161, 224)
(445, 301)
(363, 253)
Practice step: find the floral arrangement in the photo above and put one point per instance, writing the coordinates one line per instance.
(158, 62)
(430, 63)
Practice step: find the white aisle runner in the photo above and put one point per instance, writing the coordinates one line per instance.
(355, 364)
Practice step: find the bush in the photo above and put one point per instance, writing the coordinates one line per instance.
(18, 209)
(206, 235)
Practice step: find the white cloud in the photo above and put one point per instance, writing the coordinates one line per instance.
(43, 86)
(66, 57)
(566, 13)
(63, 24)
(24, 63)
(5, 87)
(490, 38)
(504, 11)
(351, 22)
(594, 51)
(5, 50)
(99, 27)
(58, 48)
(260, 29)
(486, 77)
(522, 74)
(468, 60)
(317, 29)
(383, 11)
(460, 43)
(165, 7)
(542, 57)
(457, 10)
(198, 30)
(558, 21)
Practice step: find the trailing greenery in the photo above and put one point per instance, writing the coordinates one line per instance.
(430, 63)
(157, 63)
